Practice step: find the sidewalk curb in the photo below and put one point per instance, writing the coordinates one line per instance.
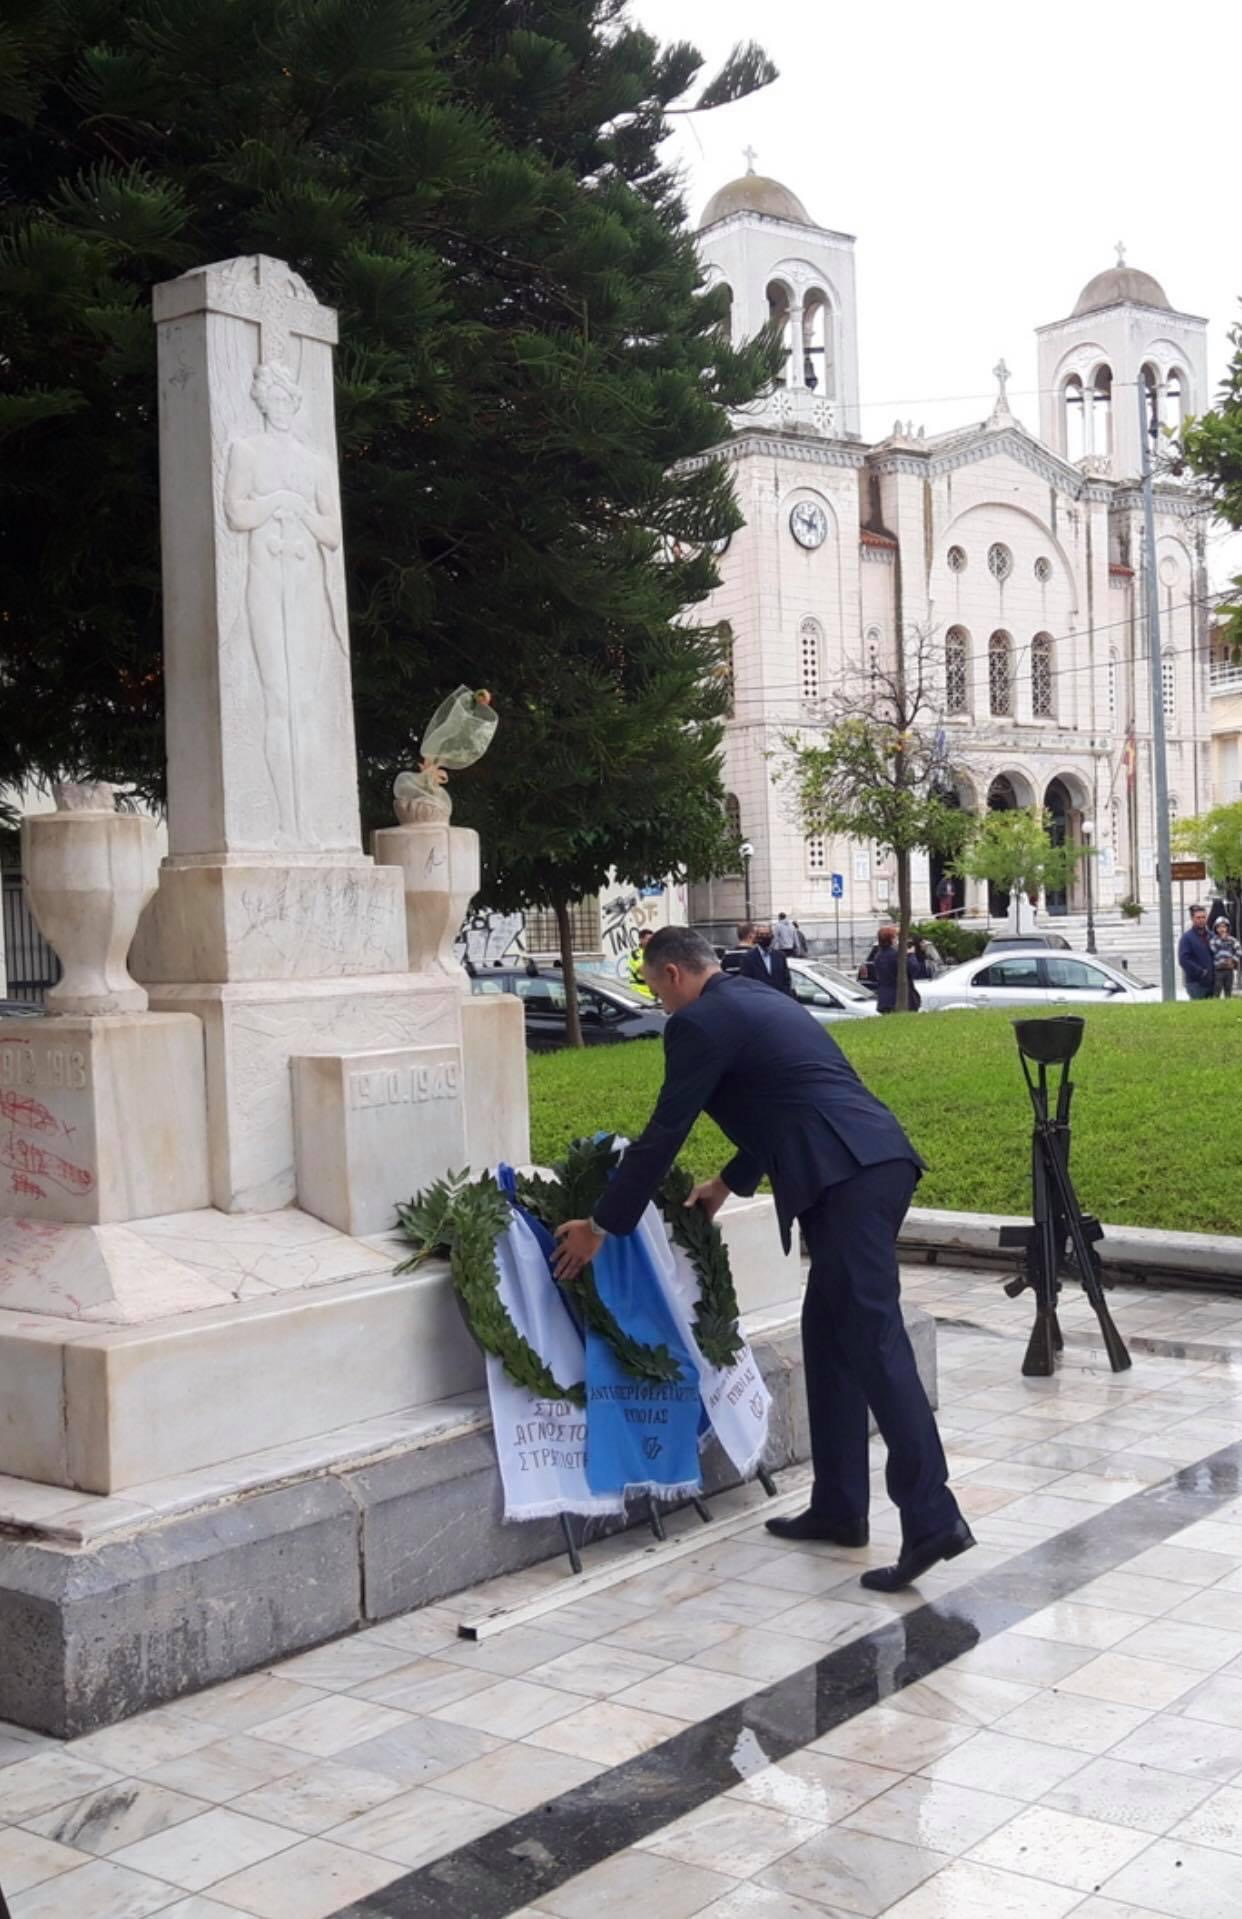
(1142, 1253)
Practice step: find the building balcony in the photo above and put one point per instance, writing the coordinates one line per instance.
(1225, 676)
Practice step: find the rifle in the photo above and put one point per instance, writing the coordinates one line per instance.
(1060, 1227)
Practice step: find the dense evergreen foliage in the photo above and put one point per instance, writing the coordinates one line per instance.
(529, 367)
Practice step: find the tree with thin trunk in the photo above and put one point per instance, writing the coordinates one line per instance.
(880, 770)
(1013, 849)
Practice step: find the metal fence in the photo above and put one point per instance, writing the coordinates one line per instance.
(31, 964)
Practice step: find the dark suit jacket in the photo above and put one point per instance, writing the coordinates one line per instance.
(754, 966)
(777, 1084)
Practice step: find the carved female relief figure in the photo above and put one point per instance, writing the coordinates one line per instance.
(282, 496)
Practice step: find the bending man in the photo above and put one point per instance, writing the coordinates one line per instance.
(841, 1166)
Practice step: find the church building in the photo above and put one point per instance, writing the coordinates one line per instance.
(1012, 558)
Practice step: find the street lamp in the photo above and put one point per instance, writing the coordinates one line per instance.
(1088, 833)
(748, 853)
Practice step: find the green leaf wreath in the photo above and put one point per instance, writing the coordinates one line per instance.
(461, 1219)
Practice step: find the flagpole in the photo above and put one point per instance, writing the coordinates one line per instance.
(1168, 982)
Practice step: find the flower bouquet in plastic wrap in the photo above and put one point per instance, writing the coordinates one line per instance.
(459, 733)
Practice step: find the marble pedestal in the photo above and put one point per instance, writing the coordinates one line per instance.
(170, 1346)
(112, 1605)
(102, 1117)
(372, 1129)
(253, 1028)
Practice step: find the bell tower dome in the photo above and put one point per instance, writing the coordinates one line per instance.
(757, 237)
(1123, 332)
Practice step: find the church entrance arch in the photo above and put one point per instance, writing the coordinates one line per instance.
(1059, 808)
(961, 797)
(1002, 798)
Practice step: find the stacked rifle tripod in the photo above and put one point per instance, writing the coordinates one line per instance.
(1063, 1237)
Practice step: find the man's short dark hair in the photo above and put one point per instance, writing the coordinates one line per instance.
(745, 931)
(645, 935)
(679, 946)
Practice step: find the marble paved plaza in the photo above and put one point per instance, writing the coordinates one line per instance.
(1052, 1725)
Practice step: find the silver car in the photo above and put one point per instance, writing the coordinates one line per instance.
(829, 994)
(1035, 977)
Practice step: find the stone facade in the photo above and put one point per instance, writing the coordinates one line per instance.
(1018, 557)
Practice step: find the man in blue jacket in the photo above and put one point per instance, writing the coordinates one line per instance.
(765, 961)
(1195, 956)
(841, 1166)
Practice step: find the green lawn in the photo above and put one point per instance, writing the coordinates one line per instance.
(1157, 1121)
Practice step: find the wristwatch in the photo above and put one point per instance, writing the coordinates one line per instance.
(597, 1228)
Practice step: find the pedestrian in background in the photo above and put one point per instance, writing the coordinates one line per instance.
(638, 979)
(1195, 956)
(731, 962)
(888, 957)
(800, 946)
(766, 962)
(784, 935)
(1226, 953)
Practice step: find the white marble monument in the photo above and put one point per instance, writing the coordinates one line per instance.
(188, 1188)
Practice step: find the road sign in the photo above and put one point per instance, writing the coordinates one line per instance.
(1187, 870)
(838, 886)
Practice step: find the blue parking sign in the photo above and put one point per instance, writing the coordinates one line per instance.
(838, 886)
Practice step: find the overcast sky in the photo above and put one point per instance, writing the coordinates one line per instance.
(987, 157)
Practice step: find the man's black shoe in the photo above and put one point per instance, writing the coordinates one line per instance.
(916, 1560)
(811, 1526)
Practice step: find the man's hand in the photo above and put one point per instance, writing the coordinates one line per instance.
(577, 1243)
(710, 1195)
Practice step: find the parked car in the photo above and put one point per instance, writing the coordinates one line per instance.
(1035, 977)
(829, 994)
(1017, 942)
(609, 1013)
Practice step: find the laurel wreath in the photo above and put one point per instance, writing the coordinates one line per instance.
(461, 1219)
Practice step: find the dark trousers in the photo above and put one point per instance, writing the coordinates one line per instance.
(858, 1355)
(1224, 985)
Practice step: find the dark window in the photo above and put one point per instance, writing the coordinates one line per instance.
(1073, 976)
(1010, 972)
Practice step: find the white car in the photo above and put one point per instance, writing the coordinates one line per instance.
(829, 994)
(1035, 978)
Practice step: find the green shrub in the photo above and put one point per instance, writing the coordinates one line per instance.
(953, 941)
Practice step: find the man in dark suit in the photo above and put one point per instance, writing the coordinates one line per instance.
(764, 961)
(841, 1166)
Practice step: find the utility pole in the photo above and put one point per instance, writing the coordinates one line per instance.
(1168, 984)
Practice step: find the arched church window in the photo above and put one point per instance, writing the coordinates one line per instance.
(1102, 410)
(1114, 676)
(733, 817)
(1151, 386)
(780, 321)
(1168, 685)
(816, 853)
(725, 673)
(810, 658)
(874, 638)
(1075, 423)
(957, 559)
(1000, 675)
(956, 671)
(1175, 392)
(1114, 828)
(1043, 692)
(817, 369)
(1043, 570)
(1000, 561)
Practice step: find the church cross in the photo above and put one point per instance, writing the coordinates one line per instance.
(1121, 253)
(750, 156)
(280, 303)
(1002, 375)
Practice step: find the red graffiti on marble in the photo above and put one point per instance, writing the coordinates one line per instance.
(31, 1115)
(25, 1157)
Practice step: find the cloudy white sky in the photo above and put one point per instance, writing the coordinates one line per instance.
(987, 157)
